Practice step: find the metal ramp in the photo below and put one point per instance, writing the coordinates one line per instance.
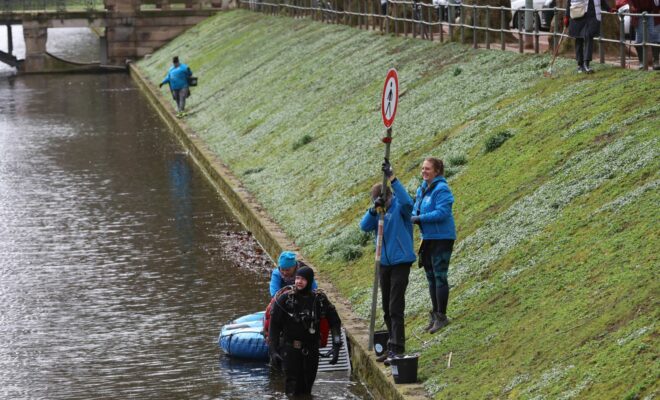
(344, 362)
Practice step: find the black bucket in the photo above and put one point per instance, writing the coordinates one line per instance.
(380, 342)
(404, 369)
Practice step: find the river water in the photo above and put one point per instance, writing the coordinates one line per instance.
(116, 261)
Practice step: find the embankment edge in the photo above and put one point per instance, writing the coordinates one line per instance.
(273, 239)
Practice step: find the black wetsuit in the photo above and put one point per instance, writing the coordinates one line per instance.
(294, 332)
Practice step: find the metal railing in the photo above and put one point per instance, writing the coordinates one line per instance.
(450, 23)
(60, 6)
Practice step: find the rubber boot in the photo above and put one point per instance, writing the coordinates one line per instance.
(431, 321)
(440, 322)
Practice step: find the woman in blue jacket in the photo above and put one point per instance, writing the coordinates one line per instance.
(397, 256)
(432, 212)
(285, 273)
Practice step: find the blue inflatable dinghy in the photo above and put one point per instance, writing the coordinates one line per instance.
(243, 338)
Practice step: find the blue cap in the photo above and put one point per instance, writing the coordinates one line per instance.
(287, 260)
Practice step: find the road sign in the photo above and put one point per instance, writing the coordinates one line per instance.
(390, 97)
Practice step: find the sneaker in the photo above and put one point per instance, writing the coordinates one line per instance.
(580, 69)
(588, 70)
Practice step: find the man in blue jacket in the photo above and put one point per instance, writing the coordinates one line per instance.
(396, 258)
(285, 273)
(177, 77)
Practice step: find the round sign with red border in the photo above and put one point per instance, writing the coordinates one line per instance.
(390, 97)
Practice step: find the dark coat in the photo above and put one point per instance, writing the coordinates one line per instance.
(640, 6)
(588, 25)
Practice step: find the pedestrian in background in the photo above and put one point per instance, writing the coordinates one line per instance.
(433, 213)
(583, 20)
(177, 78)
(652, 29)
(397, 256)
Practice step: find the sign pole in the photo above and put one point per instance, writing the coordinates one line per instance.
(388, 105)
(379, 244)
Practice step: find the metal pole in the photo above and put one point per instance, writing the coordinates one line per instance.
(474, 26)
(379, 243)
(488, 27)
(645, 35)
(10, 41)
(462, 22)
(450, 18)
(601, 48)
(622, 40)
(502, 22)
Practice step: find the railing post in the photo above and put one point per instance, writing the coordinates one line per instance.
(645, 35)
(451, 18)
(395, 10)
(502, 22)
(536, 38)
(488, 27)
(622, 41)
(405, 22)
(442, 31)
(520, 32)
(601, 48)
(555, 30)
(462, 23)
(474, 26)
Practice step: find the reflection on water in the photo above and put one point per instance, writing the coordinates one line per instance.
(71, 44)
(113, 278)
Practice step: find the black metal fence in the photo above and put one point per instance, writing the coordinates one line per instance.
(484, 26)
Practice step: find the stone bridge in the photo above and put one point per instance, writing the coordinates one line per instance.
(128, 29)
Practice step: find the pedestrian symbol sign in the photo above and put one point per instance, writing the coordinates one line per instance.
(390, 97)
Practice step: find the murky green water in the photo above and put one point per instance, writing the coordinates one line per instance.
(114, 273)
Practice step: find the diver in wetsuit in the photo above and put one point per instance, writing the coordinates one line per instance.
(295, 333)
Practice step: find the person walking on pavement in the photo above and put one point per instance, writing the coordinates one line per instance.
(177, 77)
(432, 211)
(584, 25)
(295, 332)
(397, 256)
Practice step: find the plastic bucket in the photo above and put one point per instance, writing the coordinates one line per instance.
(404, 369)
(380, 342)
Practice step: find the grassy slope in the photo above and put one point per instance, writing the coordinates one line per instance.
(554, 277)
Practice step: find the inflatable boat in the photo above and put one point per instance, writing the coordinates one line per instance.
(243, 338)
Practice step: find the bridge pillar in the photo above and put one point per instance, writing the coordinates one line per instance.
(35, 34)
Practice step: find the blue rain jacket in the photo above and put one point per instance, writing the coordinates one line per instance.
(277, 282)
(434, 209)
(397, 231)
(177, 77)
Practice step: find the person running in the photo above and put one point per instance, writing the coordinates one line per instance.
(177, 77)
(397, 257)
(433, 213)
(295, 336)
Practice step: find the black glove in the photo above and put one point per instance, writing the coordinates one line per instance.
(379, 202)
(415, 220)
(387, 169)
(336, 346)
(274, 354)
